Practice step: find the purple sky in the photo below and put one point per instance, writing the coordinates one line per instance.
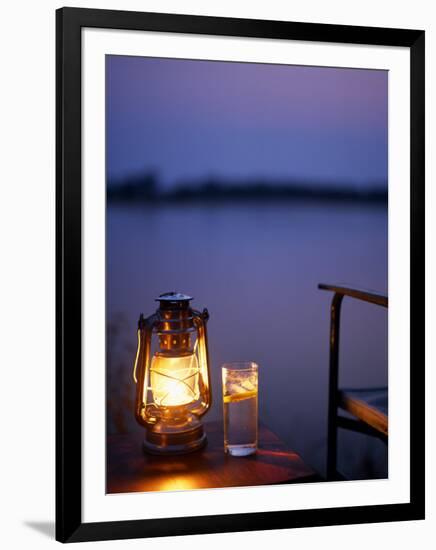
(194, 119)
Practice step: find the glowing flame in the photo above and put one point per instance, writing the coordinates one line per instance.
(174, 380)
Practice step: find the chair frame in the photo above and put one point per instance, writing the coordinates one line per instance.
(335, 420)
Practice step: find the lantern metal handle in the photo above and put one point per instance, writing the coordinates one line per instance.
(200, 319)
(145, 330)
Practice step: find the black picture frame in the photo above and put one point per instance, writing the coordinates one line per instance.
(69, 22)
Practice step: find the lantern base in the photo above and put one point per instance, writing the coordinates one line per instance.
(166, 440)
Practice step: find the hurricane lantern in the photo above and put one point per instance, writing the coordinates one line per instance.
(173, 388)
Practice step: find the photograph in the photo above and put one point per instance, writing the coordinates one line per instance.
(215, 224)
(246, 274)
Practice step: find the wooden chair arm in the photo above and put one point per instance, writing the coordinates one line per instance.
(367, 296)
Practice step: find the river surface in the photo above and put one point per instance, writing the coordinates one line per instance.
(256, 268)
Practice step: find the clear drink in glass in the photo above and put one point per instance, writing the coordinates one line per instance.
(240, 402)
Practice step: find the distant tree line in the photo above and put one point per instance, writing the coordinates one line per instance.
(145, 188)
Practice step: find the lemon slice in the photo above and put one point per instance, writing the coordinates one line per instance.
(234, 398)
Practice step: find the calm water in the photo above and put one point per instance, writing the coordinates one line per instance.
(256, 268)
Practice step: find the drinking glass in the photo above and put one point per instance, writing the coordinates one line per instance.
(240, 385)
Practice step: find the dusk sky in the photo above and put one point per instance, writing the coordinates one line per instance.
(189, 120)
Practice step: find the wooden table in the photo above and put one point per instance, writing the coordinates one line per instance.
(130, 470)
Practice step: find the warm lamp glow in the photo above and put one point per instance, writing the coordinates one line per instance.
(174, 380)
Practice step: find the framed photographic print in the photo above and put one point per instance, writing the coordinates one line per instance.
(240, 274)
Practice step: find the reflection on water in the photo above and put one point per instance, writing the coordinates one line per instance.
(256, 268)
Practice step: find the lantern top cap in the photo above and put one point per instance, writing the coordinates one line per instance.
(173, 297)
